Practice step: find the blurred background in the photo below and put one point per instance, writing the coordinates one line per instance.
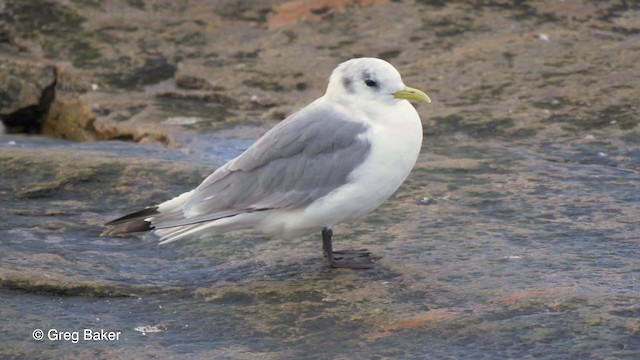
(516, 236)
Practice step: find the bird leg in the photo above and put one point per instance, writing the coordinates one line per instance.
(354, 259)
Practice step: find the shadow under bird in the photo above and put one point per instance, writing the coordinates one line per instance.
(335, 160)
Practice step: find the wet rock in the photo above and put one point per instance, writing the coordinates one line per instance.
(48, 187)
(52, 283)
(524, 232)
(516, 233)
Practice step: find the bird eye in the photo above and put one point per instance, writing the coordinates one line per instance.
(370, 83)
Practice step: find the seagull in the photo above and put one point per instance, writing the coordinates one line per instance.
(333, 161)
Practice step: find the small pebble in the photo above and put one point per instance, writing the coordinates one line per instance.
(144, 329)
(427, 201)
(182, 120)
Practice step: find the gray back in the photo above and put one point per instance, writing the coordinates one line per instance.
(300, 160)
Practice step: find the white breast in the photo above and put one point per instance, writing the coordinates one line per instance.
(396, 137)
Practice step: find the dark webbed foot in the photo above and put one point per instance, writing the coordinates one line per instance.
(353, 259)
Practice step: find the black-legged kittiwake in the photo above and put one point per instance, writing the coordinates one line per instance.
(335, 160)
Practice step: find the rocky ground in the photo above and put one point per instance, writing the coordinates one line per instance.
(124, 69)
(516, 235)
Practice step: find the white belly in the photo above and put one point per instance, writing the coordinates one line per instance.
(395, 146)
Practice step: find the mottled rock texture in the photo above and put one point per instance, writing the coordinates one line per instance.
(513, 68)
(516, 235)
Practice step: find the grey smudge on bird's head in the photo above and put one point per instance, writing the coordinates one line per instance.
(348, 84)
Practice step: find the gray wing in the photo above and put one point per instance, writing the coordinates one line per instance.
(302, 159)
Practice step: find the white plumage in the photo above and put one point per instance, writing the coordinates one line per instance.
(333, 161)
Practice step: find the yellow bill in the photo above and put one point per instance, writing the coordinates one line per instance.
(412, 94)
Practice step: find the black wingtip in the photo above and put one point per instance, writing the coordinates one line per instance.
(142, 214)
(134, 222)
(129, 227)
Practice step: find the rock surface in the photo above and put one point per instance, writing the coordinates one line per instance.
(516, 235)
(26, 92)
(532, 66)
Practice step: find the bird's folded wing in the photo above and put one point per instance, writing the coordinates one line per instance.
(302, 159)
